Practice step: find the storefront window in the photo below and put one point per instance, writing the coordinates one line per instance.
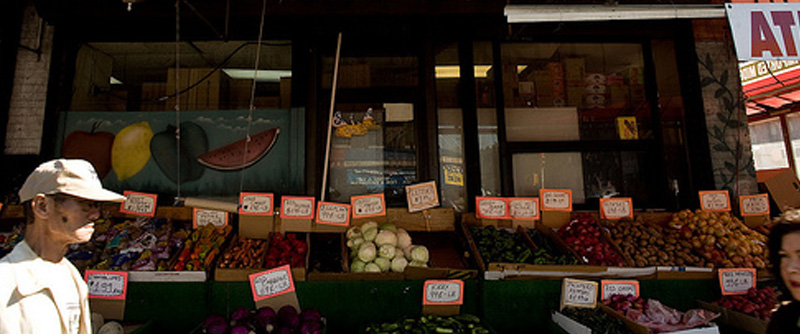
(373, 148)
(769, 150)
(212, 76)
(487, 120)
(452, 174)
(577, 117)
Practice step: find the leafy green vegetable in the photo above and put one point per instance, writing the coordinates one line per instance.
(431, 324)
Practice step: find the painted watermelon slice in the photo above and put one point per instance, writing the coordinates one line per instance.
(233, 157)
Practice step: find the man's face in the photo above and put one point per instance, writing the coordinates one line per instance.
(73, 218)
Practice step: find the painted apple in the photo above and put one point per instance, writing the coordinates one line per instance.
(93, 146)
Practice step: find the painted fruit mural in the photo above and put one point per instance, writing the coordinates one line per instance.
(131, 150)
(233, 156)
(193, 143)
(93, 146)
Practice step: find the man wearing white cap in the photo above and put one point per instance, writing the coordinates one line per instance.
(40, 290)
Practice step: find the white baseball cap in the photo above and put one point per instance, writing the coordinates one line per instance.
(74, 177)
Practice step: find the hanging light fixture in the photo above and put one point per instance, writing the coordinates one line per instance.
(130, 4)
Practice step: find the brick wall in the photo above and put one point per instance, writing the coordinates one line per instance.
(723, 103)
(29, 94)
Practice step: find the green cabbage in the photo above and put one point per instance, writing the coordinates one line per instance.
(367, 252)
(388, 226)
(357, 266)
(386, 237)
(399, 264)
(372, 268)
(368, 226)
(369, 235)
(386, 251)
(355, 243)
(353, 233)
(419, 253)
(418, 264)
(383, 263)
(403, 239)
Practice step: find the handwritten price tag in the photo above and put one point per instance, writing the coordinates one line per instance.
(297, 207)
(556, 199)
(616, 208)
(368, 206)
(523, 208)
(205, 217)
(422, 196)
(106, 284)
(715, 200)
(333, 214)
(736, 281)
(448, 292)
(271, 283)
(612, 287)
(139, 204)
(754, 205)
(256, 204)
(492, 207)
(578, 293)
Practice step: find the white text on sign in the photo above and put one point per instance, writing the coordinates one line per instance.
(368, 206)
(616, 208)
(106, 285)
(715, 201)
(443, 292)
(736, 281)
(580, 293)
(492, 207)
(298, 207)
(213, 217)
(256, 204)
(272, 283)
(755, 205)
(523, 208)
(333, 213)
(139, 203)
(556, 200)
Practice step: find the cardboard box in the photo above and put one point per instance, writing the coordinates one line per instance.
(242, 274)
(736, 319)
(783, 187)
(256, 227)
(575, 71)
(568, 324)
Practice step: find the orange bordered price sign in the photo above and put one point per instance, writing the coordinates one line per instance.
(754, 205)
(297, 207)
(256, 204)
(523, 208)
(736, 281)
(491, 208)
(443, 292)
(368, 206)
(609, 288)
(106, 284)
(333, 214)
(271, 283)
(140, 204)
(202, 217)
(422, 196)
(715, 200)
(616, 208)
(556, 199)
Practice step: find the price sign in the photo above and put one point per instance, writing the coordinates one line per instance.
(333, 214)
(271, 283)
(578, 293)
(556, 199)
(106, 284)
(492, 207)
(523, 208)
(754, 205)
(139, 204)
(202, 217)
(443, 292)
(294, 207)
(715, 200)
(736, 281)
(256, 204)
(616, 208)
(612, 287)
(422, 196)
(368, 206)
